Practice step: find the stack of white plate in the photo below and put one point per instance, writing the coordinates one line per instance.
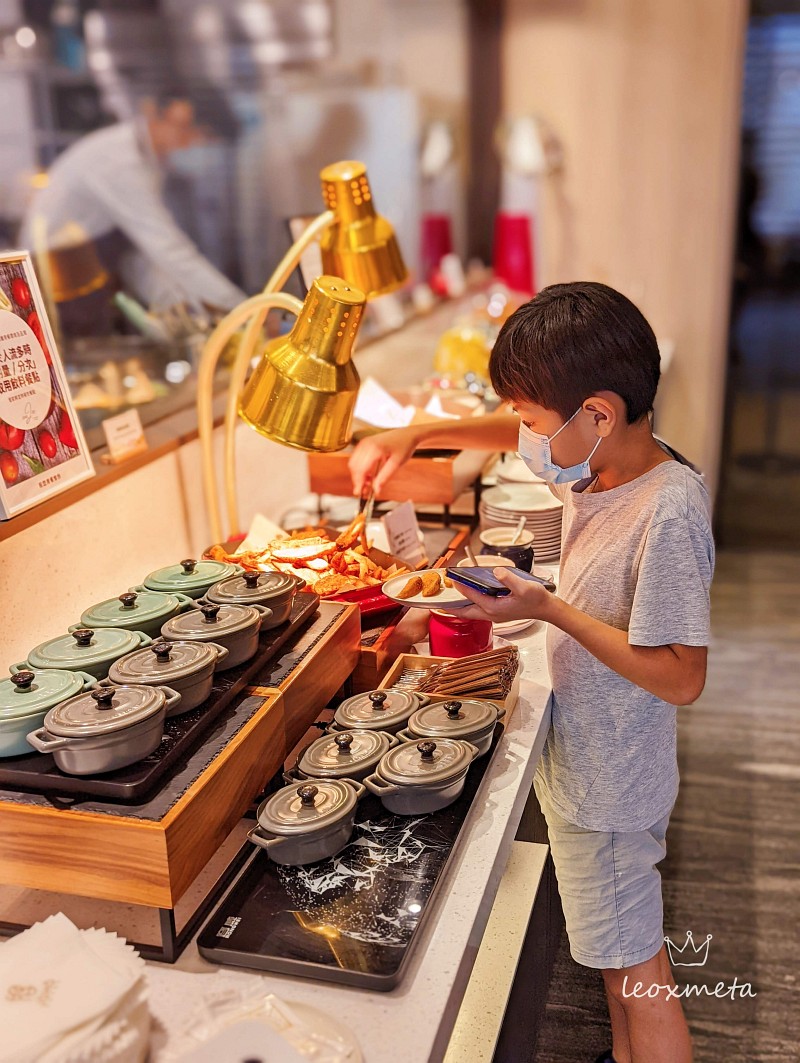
(513, 470)
(502, 507)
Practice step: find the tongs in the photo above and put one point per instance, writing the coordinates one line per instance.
(367, 504)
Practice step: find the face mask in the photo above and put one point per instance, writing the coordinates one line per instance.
(534, 449)
(194, 161)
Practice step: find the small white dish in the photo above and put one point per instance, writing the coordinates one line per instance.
(448, 596)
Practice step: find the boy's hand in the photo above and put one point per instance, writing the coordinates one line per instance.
(377, 457)
(527, 601)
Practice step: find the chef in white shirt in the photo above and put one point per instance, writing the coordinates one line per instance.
(103, 221)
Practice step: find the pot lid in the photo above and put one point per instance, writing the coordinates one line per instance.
(163, 662)
(84, 647)
(418, 763)
(130, 609)
(378, 709)
(210, 621)
(103, 710)
(453, 719)
(336, 755)
(253, 587)
(307, 808)
(189, 575)
(28, 692)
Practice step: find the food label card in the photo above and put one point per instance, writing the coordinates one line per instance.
(404, 536)
(124, 435)
(42, 448)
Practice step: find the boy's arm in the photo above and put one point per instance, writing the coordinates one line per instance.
(674, 673)
(377, 457)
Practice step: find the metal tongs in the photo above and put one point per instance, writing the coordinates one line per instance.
(367, 504)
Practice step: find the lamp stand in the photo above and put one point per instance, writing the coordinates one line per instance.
(252, 311)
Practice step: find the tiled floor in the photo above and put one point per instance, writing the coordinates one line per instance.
(733, 864)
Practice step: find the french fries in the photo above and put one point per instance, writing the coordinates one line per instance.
(328, 567)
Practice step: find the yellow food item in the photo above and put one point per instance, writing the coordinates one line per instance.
(431, 584)
(412, 588)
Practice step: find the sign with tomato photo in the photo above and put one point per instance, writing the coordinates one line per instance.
(42, 449)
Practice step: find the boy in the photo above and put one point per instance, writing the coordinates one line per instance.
(628, 629)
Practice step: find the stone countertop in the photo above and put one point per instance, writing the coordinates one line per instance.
(420, 1013)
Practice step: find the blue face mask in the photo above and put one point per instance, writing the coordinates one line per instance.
(534, 449)
(195, 160)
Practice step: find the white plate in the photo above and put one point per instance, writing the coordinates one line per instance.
(520, 498)
(514, 471)
(449, 596)
(510, 627)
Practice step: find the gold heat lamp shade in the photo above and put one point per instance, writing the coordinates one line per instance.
(359, 244)
(304, 390)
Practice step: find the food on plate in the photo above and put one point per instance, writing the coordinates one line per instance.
(412, 588)
(328, 566)
(431, 584)
(428, 585)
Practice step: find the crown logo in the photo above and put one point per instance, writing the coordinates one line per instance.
(685, 956)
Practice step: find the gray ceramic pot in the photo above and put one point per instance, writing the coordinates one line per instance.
(377, 710)
(236, 627)
(105, 729)
(412, 780)
(273, 590)
(304, 824)
(187, 667)
(470, 719)
(342, 755)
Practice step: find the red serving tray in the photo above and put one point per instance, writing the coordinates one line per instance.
(370, 600)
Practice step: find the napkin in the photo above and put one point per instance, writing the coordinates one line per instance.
(59, 985)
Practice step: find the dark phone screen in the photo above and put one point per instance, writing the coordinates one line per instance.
(480, 579)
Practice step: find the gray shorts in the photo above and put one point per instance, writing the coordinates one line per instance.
(610, 889)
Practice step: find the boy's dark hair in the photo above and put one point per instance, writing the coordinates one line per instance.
(571, 341)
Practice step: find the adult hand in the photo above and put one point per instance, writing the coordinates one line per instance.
(527, 601)
(375, 458)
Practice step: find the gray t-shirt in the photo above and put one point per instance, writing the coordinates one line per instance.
(639, 557)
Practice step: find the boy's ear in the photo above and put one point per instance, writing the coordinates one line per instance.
(604, 412)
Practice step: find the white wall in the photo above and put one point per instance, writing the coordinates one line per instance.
(110, 540)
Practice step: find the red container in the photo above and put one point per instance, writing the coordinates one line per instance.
(437, 241)
(513, 251)
(450, 636)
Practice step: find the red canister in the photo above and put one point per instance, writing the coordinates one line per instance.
(450, 636)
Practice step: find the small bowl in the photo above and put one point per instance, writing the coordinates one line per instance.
(487, 561)
(497, 541)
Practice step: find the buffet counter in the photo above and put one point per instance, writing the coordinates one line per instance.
(421, 1013)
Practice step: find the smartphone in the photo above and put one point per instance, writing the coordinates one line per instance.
(485, 581)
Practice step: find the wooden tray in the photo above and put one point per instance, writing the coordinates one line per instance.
(150, 854)
(419, 660)
(38, 772)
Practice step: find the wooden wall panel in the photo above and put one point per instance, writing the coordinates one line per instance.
(645, 97)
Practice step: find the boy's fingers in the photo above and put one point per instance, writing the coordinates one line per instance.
(389, 467)
(516, 584)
